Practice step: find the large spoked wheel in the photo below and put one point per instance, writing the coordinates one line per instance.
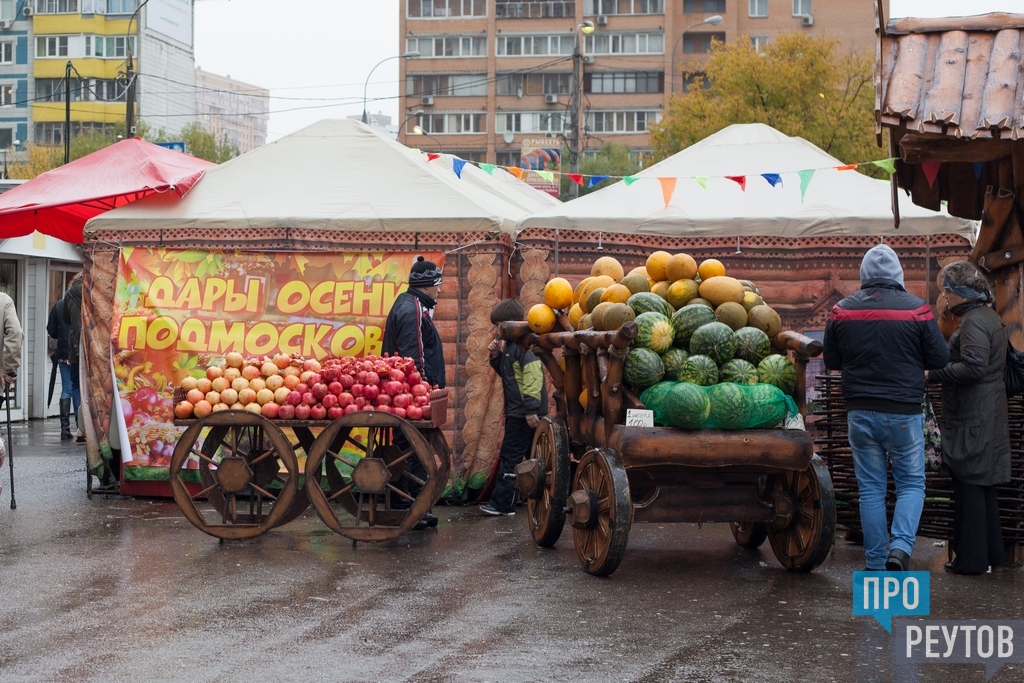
(544, 481)
(379, 485)
(601, 511)
(750, 535)
(805, 516)
(247, 470)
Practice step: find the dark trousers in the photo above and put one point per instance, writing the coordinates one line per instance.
(977, 537)
(515, 446)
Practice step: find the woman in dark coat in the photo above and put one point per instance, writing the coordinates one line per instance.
(975, 428)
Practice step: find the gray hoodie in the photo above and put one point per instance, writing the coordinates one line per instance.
(881, 263)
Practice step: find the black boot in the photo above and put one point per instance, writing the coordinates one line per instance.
(65, 419)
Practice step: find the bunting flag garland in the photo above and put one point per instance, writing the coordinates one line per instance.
(549, 176)
(576, 178)
(978, 166)
(931, 171)
(774, 179)
(595, 179)
(629, 180)
(457, 166)
(702, 180)
(740, 180)
(432, 155)
(888, 165)
(668, 187)
(514, 170)
(805, 180)
(847, 167)
(488, 168)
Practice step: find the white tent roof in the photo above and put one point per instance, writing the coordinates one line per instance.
(501, 182)
(332, 175)
(836, 202)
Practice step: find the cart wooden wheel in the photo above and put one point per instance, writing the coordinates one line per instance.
(601, 511)
(240, 462)
(750, 535)
(805, 516)
(544, 481)
(381, 494)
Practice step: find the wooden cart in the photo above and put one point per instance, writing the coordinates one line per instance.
(588, 467)
(370, 476)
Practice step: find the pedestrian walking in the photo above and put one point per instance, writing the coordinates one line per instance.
(13, 340)
(70, 392)
(882, 339)
(73, 319)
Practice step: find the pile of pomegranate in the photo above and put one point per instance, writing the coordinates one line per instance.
(294, 388)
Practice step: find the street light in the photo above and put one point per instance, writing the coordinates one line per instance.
(14, 145)
(405, 55)
(713, 21)
(415, 114)
(586, 28)
(419, 131)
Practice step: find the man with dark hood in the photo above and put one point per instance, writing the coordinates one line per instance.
(882, 339)
(409, 331)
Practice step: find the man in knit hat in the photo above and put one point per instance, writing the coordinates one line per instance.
(409, 331)
(883, 339)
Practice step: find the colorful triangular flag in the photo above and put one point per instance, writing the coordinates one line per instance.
(702, 180)
(978, 167)
(576, 178)
(432, 155)
(888, 165)
(773, 179)
(805, 180)
(931, 171)
(514, 170)
(668, 187)
(488, 168)
(595, 179)
(457, 166)
(847, 167)
(630, 179)
(546, 175)
(740, 180)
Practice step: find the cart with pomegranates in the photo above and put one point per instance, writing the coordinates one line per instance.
(369, 473)
(592, 469)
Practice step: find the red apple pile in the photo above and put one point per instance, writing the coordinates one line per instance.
(295, 388)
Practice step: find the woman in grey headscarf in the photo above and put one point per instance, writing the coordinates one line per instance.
(975, 427)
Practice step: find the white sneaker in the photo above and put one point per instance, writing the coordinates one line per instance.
(491, 510)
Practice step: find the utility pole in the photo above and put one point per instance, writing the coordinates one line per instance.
(129, 115)
(575, 101)
(67, 112)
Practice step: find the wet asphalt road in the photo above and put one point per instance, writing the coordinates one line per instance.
(126, 590)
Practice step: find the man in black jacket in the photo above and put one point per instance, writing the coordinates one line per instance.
(70, 394)
(882, 339)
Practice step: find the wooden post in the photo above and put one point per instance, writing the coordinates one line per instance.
(573, 389)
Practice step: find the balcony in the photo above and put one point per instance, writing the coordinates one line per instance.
(546, 9)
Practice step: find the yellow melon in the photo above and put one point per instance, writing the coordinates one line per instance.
(681, 267)
(606, 265)
(661, 289)
(575, 313)
(636, 283)
(583, 397)
(601, 281)
(641, 270)
(617, 294)
(732, 314)
(710, 268)
(766, 319)
(656, 264)
(541, 318)
(720, 289)
(681, 292)
(585, 323)
(616, 316)
(750, 300)
(597, 315)
(576, 293)
(558, 293)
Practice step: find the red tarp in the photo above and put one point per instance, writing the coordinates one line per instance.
(59, 202)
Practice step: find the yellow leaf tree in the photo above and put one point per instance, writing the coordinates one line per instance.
(799, 85)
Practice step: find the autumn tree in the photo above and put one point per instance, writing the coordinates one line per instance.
(611, 160)
(799, 85)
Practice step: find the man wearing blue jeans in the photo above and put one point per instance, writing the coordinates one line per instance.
(882, 339)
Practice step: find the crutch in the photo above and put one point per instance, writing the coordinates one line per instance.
(10, 442)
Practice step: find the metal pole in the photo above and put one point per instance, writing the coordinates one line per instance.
(67, 112)
(574, 114)
(10, 443)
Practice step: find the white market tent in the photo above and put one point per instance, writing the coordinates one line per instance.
(502, 182)
(333, 175)
(836, 203)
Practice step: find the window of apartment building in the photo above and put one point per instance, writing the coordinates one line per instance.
(704, 6)
(82, 90)
(532, 84)
(624, 82)
(758, 8)
(6, 95)
(513, 9)
(448, 46)
(625, 43)
(56, 6)
(801, 8)
(8, 9)
(620, 121)
(759, 42)
(535, 45)
(116, 6)
(446, 84)
(475, 155)
(7, 139)
(596, 7)
(437, 124)
(508, 157)
(446, 8)
(7, 52)
(697, 43)
(532, 122)
(51, 46)
(107, 47)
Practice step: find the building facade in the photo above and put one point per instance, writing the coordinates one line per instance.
(236, 113)
(15, 72)
(495, 77)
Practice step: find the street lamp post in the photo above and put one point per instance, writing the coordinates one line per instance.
(405, 55)
(575, 100)
(419, 131)
(410, 117)
(713, 21)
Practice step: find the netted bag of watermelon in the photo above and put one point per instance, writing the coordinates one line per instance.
(654, 397)
(746, 406)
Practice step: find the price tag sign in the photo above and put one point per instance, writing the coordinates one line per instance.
(639, 418)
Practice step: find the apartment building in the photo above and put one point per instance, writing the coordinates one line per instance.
(96, 36)
(15, 34)
(494, 78)
(236, 113)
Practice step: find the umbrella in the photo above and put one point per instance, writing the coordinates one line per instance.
(60, 201)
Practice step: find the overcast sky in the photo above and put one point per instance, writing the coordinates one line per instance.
(319, 53)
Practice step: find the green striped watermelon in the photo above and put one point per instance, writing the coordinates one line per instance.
(673, 360)
(686, 321)
(716, 340)
(643, 368)
(752, 345)
(698, 370)
(737, 371)
(643, 302)
(768, 406)
(654, 332)
(686, 406)
(729, 406)
(779, 371)
(654, 398)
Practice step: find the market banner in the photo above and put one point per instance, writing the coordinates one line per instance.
(178, 312)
